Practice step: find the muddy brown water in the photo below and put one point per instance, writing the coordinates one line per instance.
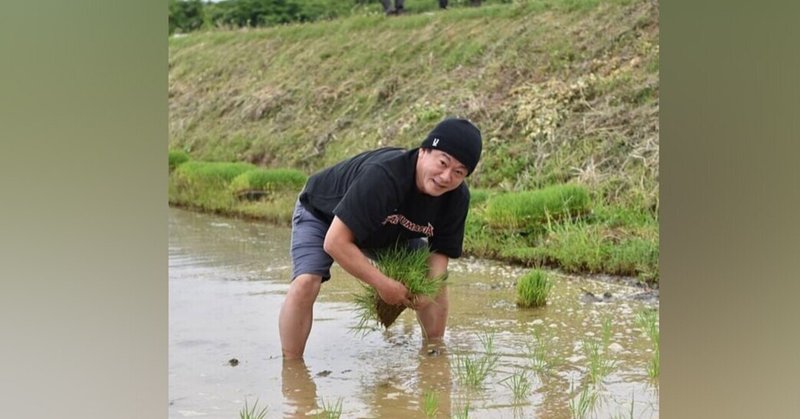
(227, 280)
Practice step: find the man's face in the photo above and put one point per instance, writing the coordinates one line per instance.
(438, 172)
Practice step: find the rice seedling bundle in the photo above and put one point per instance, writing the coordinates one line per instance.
(409, 267)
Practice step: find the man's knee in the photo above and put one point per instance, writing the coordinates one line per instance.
(305, 288)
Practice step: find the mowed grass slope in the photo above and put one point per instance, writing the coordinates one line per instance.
(564, 91)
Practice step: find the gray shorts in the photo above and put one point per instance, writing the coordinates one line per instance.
(308, 236)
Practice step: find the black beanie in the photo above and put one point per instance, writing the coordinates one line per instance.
(458, 138)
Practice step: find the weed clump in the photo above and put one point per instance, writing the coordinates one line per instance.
(533, 289)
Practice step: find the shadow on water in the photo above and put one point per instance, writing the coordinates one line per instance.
(227, 280)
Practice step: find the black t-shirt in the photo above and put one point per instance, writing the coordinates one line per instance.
(375, 195)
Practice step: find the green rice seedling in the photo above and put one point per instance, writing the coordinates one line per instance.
(410, 267)
(529, 210)
(330, 411)
(487, 340)
(599, 364)
(461, 412)
(268, 180)
(519, 383)
(533, 289)
(654, 365)
(251, 412)
(473, 370)
(176, 158)
(430, 403)
(584, 404)
(541, 352)
(630, 414)
(648, 321)
(607, 331)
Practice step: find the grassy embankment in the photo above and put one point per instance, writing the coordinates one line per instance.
(565, 93)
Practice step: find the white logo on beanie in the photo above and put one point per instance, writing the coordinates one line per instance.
(435, 142)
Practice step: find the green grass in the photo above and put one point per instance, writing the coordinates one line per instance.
(252, 412)
(529, 210)
(533, 288)
(176, 158)
(269, 180)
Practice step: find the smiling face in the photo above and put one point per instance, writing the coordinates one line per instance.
(438, 172)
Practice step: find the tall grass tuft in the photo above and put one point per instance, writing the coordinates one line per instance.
(533, 288)
(530, 209)
(406, 265)
(252, 412)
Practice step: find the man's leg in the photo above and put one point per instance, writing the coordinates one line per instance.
(297, 314)
(433, 316)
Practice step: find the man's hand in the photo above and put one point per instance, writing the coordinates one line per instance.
(393, 292)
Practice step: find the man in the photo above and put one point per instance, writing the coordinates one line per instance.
(372, 201)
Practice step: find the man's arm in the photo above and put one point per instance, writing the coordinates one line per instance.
(340, 244)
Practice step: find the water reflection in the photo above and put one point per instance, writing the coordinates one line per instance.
(433, 372)
(299, 389)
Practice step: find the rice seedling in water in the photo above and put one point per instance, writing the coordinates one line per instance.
(461, 412)
(584, 404)
(251, 412)
(533, 289)
(542, 353)
(408, 266)
(487, 340)
(519, 383)
(606, 330)
(599, 364)
(630, 412)
(473, 370)
(330, 411)
(648, 321)
(430, 405)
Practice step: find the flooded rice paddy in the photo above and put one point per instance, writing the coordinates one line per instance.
(580, 356)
